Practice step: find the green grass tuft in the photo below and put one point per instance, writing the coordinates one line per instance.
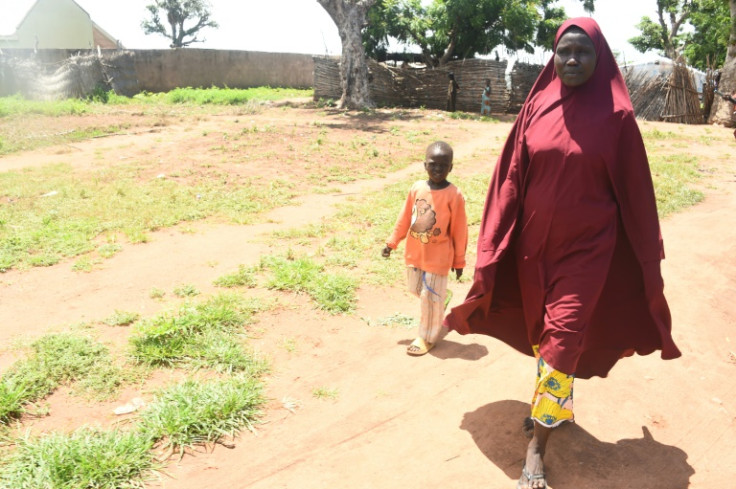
(195, 412)
(204, 335)
(55, 359)
(83, 459)
(244, 277)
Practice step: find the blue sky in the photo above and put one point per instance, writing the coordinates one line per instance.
(298, 26)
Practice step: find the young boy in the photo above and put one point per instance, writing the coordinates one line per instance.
(434, 223)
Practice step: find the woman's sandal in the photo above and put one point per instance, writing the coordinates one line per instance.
(529, 478)
(419, 347)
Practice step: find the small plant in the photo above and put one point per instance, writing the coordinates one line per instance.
(109, 250)
(244, 277)
(156, 293)
(289, 344)
(122, 318)
(396, 319)
(324, 393)
(186, 290)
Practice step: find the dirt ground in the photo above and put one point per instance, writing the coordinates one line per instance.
(449, 419)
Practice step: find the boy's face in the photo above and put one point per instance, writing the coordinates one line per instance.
(438, 165)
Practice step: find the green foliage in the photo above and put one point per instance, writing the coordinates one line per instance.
(244, 277)
(86, 458)
(334, 293)
(203, 335)
(231, 96)
(672, 175)
(707, 45)
(56, 215)
(16, 105)
(122, 318)
(665, 33)
(194, 412)
(396, 319)
(451, 29)
(55, 359)
(325, 393)
(186, 290)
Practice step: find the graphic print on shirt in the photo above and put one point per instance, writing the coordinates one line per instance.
(423, 219)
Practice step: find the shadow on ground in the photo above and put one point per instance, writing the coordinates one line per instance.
(576, 459)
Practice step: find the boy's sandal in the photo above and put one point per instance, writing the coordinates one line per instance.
(419, 347)
(529, 478)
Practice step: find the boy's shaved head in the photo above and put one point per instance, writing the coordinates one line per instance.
(440, 148)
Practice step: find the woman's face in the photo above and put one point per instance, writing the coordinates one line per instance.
(575, 58)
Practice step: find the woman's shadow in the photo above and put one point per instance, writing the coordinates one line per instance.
(575, 458)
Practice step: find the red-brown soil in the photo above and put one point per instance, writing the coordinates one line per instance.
(449, 419)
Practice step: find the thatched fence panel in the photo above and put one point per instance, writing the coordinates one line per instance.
(666, 95)
(421, 87)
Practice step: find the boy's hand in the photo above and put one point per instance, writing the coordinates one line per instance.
(458, 273)
(386, 252)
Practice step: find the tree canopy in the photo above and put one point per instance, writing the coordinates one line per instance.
(456, 29)
(706, 47)
(177, 12)
(664, 35)
(697, 29)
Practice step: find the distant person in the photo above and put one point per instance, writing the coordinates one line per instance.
(452, 89)
(569, 250)
(485, 99)
(434, 223)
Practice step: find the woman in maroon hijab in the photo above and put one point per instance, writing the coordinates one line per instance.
(569, 252)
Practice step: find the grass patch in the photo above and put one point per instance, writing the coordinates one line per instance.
(51, 213)
(122, 318)
(195, 412)
(186, 290)
(673, 175)
(54, 360)
(85, 459)
(244, 277)
(324, 393)
(394, 320)
(203, 335)
(232, 96)
(332, 292)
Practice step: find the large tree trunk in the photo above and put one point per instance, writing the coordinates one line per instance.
(722, 110)
(350, 16)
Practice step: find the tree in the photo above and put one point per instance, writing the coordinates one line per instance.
(177, 13)
(721, 112)
(350, 18)
(706, 46)
(457, 29)
(664, 35)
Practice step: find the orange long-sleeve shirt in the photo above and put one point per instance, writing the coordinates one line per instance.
(435, 226)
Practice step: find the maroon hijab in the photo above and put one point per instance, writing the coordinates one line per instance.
(632, 314)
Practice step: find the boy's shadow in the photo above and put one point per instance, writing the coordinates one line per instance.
(575, 458)
(451, 349)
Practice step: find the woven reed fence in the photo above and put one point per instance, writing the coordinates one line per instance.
(664, 96)
(421, 87)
